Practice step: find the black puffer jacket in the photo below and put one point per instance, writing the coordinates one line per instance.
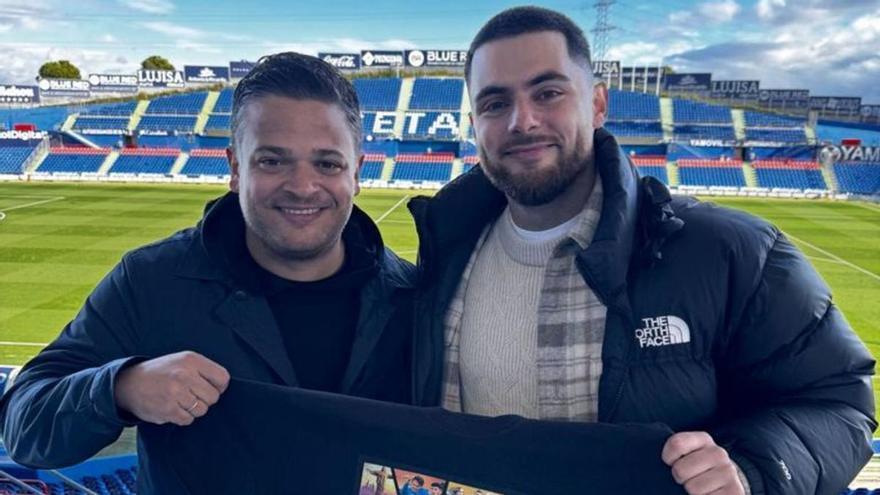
(715, 322)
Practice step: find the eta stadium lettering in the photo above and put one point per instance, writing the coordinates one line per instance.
(443, 121)
(852, 153)
(662, 331)
(384, 123)
(160, 79)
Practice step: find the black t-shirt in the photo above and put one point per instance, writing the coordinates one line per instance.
(269, 439)
(317, 319)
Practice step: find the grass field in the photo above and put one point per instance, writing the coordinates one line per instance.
(58, 240)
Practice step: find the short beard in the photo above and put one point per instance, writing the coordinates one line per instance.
(537, 188)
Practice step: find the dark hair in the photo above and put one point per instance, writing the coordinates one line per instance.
(419, 479)
(524, 20)
(301, 77)
(437, 485)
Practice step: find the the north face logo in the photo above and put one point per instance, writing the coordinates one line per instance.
(663, 330)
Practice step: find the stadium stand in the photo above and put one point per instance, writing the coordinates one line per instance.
(368, 125)
(629, 106)
(183, 104)
(378, 94)
(206, 162)
(692, 112)
(789, 174)
(224, 101)
(435, 167)
(13, 158)
(118, 110)
(218, 122)
(100, 123)
(469, 162)
(704, 132)
(769, 120)
(653, 166)
(145, 161)
(436, 94)
(858, 177)
(652, 130)
(167, 123)
(372, 168)
(792, 136)
(432, 125)
(697, 172)
(69, 160)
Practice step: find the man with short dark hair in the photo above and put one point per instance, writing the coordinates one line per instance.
(556, 284)
(283, 281)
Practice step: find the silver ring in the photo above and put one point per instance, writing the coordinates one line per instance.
(192, 407)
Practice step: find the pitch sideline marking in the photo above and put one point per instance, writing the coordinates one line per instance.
(26, 205)
(25, 344)
(835, 257)
(392, 209)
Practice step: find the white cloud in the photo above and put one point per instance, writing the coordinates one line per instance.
(21, 14)
(642, 53)
(23, 60)
(150, 6)
(174, 30)
(719, 12)
(766, 9)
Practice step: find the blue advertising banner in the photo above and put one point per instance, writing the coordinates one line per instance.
(845, 104)
(736, 90)
(205, 73)
(160, 79)
(11, 93)
(64, 88)
(113, 83)
(785, 98)
(240, 68)
(436, 58)
(374, 58)
(688, 82)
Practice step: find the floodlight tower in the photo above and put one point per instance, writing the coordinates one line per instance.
(603, 28)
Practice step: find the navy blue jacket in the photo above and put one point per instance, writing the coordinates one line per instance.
(769, 366)
(172, 296)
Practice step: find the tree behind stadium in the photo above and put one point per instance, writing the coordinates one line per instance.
(156, 62)
(59, 69)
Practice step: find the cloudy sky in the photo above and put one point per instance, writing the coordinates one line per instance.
(831, 47)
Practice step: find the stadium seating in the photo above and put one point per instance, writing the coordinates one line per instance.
(769, 120)
(704, 132)
(218, 122)
(653, 166)
(858, 177)
(435, 167)
(183, 104)
(789, 174)
(378, 94)
(13, 158)
(432, 125)
(206, 162)
(94, 123)
(144, 161)
(652, 130)
(119, 110)
(73, 160)
(792, 136)
(224, 101)
(437, 94)
(692, 112)
(368, 124)
(699, 172)
(627, 105)
(167, 123)
(372, 168)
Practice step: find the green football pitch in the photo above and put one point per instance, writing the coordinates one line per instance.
(58, 240)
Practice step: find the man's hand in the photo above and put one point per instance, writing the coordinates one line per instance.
(700, 465)
(176, 388)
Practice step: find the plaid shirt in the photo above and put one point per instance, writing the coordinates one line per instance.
(571, 328)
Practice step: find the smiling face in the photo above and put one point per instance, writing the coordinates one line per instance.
(295, 167)
(534, 112)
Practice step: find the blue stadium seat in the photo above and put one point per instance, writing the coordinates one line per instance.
(75, 161)
(790, 178)
(218, 122)
(122, 109)
(760, 119)
(12, 158)
(378, 94)
(704, 132)
(206, 162)
(627, 105)
(437, 94)
(86, 122)
(183, 104)
(793, 136)
(858, 177)
(697, 172)
(653, 130)
(368, 125)
(373, 164)
(167, 123)
(143, 164)
(692, 112)
(224, 101)
(418, 168)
